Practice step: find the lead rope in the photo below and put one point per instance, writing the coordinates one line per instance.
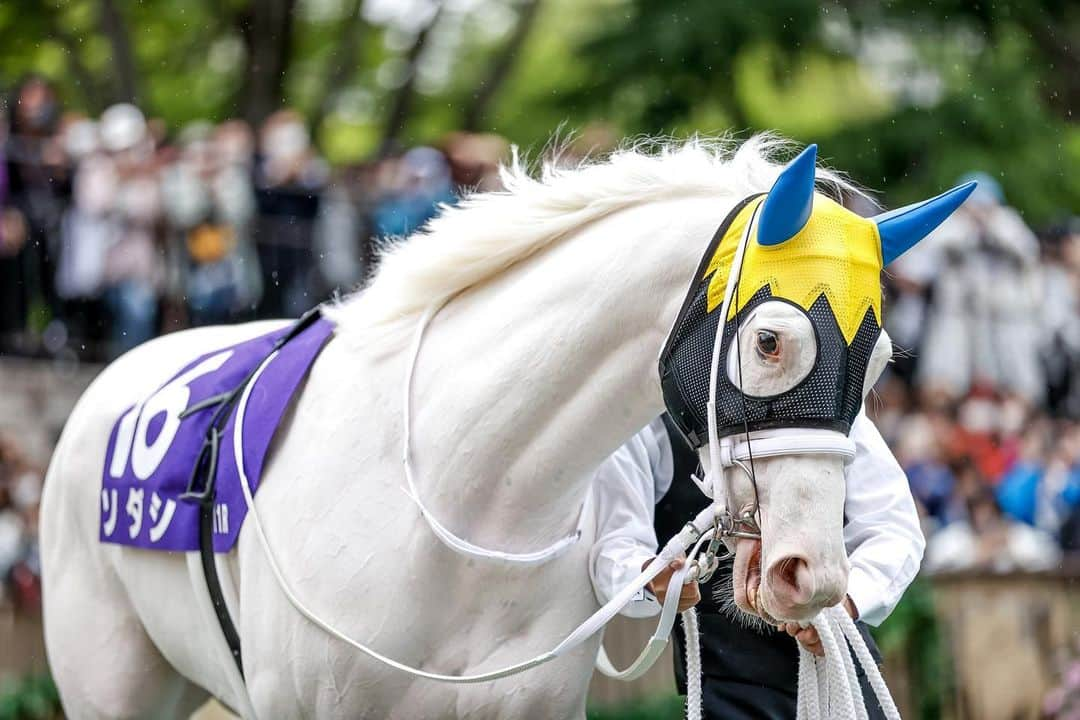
(829, 686)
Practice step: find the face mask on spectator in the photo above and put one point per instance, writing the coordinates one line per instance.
(287, 140)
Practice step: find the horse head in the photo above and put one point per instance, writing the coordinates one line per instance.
(801, 344)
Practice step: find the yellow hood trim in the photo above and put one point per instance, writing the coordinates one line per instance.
(837, 254)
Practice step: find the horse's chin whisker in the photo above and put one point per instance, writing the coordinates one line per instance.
(724, 595)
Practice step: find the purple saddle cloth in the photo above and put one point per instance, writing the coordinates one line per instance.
(155, 444)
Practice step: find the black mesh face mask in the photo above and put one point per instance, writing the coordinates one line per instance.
(828, 397)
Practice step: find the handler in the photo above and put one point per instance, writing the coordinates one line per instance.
(643, 491)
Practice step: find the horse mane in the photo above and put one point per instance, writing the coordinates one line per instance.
(487, 233)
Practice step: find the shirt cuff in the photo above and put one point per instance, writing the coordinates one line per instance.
(644, 604)
(864, 592)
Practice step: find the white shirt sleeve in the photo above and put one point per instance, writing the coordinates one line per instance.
(882, 533)
(884, 540)
(624, 496)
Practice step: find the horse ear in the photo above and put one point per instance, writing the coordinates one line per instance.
(789, 204)
(900, 229)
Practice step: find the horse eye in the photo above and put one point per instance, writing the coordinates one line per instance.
(768, 344)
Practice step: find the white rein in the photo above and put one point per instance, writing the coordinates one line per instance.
(825, 685)
(688, 535)
(452, 541)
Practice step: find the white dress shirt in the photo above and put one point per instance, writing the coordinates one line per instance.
(882, 534)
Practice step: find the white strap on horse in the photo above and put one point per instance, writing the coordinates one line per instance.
(454, 542)
(651, 652)
(824, 686)
(689, 534)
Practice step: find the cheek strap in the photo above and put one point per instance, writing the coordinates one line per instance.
(731, 450)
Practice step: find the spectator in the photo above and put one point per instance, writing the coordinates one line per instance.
(209, 205)
(419, 183)
(1019, 488)
(85, 231)
(342, 232)
(289, 179)
(20, 494)
(981, 269)
(474, 161)
(38, 186)
(134, 270)
(1058, 493)
(1060, 346)
(12, 240)
(988, 540)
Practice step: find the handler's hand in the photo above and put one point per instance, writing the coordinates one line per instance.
(690, 595)
(808, 637)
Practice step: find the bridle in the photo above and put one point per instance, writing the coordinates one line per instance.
(736, 452)
(716, 524)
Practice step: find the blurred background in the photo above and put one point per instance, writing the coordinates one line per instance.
(171, 163)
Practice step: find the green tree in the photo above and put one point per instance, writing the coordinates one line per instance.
(904, 95)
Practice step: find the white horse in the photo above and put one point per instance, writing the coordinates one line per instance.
(544, 361)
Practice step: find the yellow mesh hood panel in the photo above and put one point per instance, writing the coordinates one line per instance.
(837, 253)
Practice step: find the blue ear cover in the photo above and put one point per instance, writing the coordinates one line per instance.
(900, 229)
(788, 205)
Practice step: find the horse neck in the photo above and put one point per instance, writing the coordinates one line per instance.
(526, 383)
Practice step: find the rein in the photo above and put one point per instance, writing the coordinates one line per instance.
(715, 524)
(451, 540)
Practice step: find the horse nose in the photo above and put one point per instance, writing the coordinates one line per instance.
(799, 589)
(791, 581)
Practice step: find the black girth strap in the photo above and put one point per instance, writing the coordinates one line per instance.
(201, 486)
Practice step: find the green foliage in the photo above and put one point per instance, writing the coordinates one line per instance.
(33, 697)
(1004, 104)
(668, 707)
(912, 632)
(991, 119)
(1004, 81)
(652, 63)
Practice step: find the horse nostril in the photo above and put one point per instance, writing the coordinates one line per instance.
(792, 580)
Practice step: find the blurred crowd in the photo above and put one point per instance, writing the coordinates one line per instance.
(981, 406)
(20, 493)
(115, 229)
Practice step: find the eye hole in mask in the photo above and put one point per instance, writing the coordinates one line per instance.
(778, 349)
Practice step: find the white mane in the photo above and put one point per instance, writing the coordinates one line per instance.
(489, 232)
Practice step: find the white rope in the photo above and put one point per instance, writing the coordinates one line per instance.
(873, 674)
(829, 686)
(693, 664)
(653, 649)
(447, 536)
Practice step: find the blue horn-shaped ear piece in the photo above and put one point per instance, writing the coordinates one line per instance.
(900, 229)
(790, 202)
